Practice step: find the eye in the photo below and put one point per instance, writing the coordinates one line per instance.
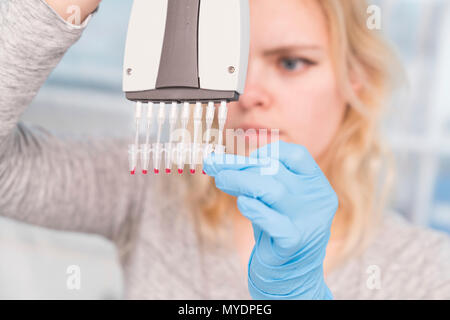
(294, 64)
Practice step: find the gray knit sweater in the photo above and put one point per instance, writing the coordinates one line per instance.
(76, 185)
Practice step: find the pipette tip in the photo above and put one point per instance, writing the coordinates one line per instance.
(180, 171)
(144, 171)
(168, 171)
(156, 171)
(132, 172)
(203, 171)
(192, 171)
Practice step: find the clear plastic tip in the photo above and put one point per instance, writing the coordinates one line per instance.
(132, 158)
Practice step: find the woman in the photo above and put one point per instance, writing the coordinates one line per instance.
(316, 73)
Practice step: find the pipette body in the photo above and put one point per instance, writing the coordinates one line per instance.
(182, 55)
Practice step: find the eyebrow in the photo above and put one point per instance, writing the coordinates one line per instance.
(290, 48)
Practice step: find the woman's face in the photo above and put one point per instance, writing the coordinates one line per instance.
(291, 83)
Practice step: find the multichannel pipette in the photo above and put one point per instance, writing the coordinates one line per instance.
(180, 53)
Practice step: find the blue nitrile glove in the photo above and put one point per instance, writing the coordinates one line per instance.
(291, 213)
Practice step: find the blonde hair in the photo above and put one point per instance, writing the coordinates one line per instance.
(356, 158)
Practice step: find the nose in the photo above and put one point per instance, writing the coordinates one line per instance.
(255, 95)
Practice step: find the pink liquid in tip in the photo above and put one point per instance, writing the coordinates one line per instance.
(168, 171)
(156, 171)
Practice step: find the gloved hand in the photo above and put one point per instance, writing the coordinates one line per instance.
(291, 213)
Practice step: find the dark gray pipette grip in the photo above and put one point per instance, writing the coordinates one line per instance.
(179, 58)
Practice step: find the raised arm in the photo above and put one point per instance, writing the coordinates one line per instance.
(67, 185)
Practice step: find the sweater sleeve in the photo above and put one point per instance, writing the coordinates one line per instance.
(438, 273)
(44, 180)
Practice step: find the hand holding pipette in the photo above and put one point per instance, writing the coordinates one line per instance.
(291, 212)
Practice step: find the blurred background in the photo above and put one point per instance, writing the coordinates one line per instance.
(83, 97)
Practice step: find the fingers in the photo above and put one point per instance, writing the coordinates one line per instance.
(251, 185)
(215, 163)
(279, 227)
(294, 157)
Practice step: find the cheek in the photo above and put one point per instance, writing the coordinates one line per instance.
(313, 110)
